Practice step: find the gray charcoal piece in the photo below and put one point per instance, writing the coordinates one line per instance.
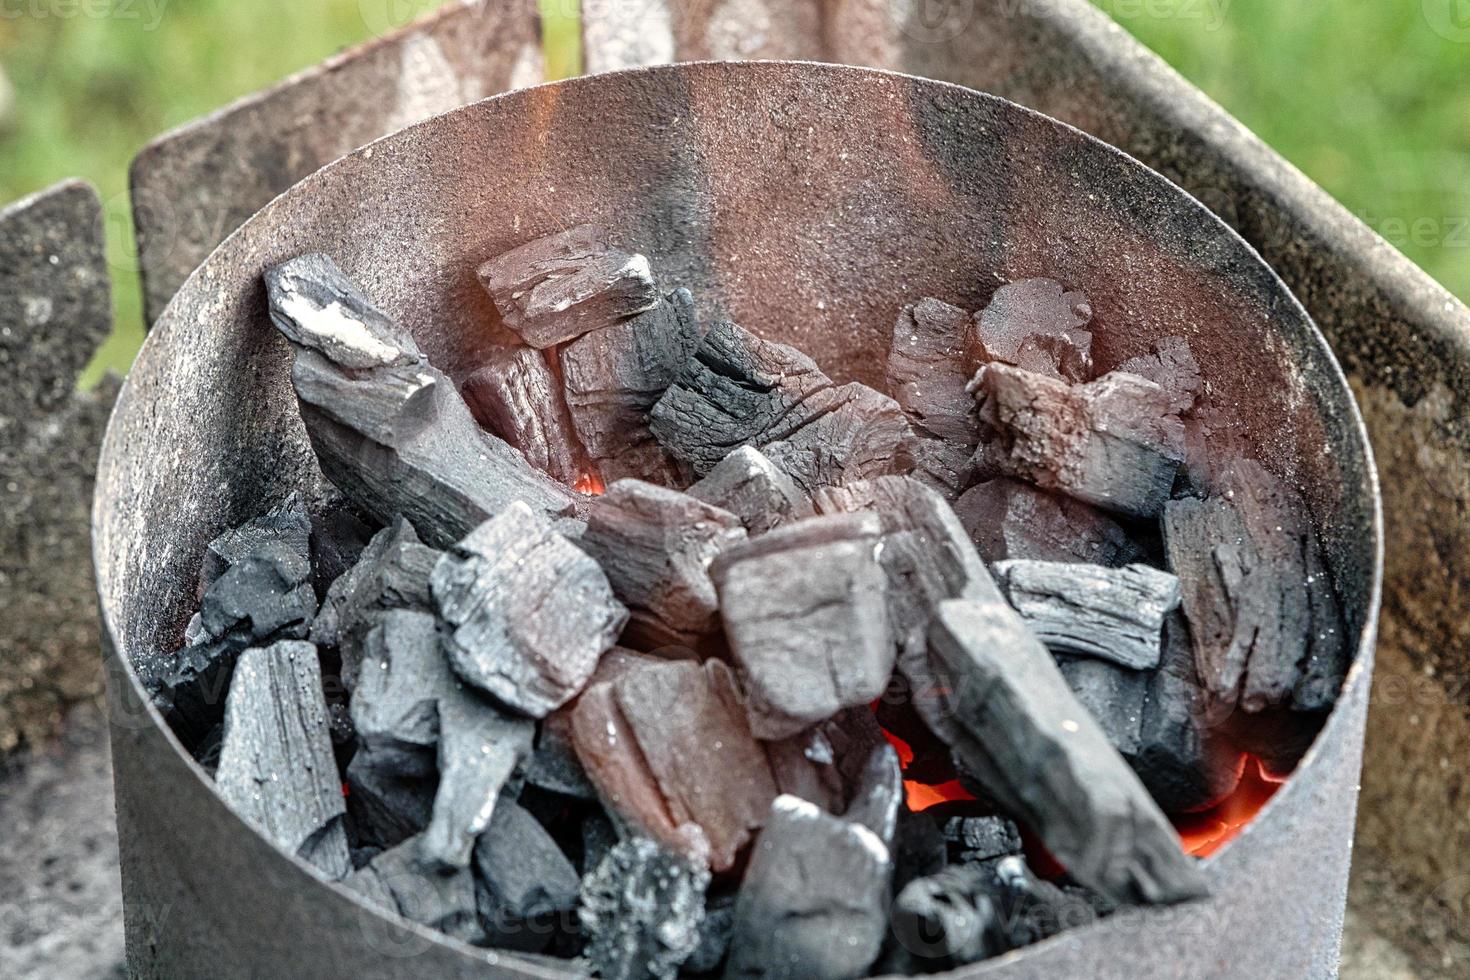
(265, 594)
(747, 484)
(878, 794)
(600, 832)
(1036, 324)
(1114, 614)
(1114, 696)
(641, 909)
(812, 905)
(1033, 909)
(390, 794)
(655, 545)
(526, 883)
(516, 395)
(1171, 366)
(973, 839)
(849, 433)
(1009, 519)
(553, 765)
(288, 523)
(614, 376)
(805, 614)
(932, 357)
(949, 918)
(339, 536)
(426, 893)
(1115, 442)
(1008, 713)
(316, 306)
(828, 764)
(715, 933)
(556, 288)
(276, 768)
(528, 613)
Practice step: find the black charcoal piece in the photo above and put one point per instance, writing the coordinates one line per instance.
(930, 361)
(339, 536)
(318, 307)
(287, 524)
(1037, 325)
(613, 378)
(793, 921)
(422, 892)
(920, 847)
(747, 484)
(804, 612)
(1008, 713)
(276, 768)
(1033, 909)
(1114, 442)
(515, 395)
(600, 832)
(1010, 519)
(556, 288)
(949, 918)
(1114, 614)
(527, 887)
(981, 838)
(528, 613)
(1171, 366)
(265, 594)
(553, 765)
(390, 794)
(1114, 696)
(714, 936)
(650, 740)
(655, 546)
(641, 910)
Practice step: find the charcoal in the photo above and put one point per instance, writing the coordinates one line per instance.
(265, 594)
(554, 765)
(317, 307)
(526, 885)
(739, 390)
(1171, 366)
(804, 611)
(747, 484)
(613, 378)
(390, 794)
(1035, 324)
(812, 905)
(828, 764)
(656, 545)
(339, 536)
(1008, 519)
(641, 910)
(556, 288)
(516, 395)
(1258, 599)
(422, 892)
(715, 933)
(932, 358)
(276, 768)
(529, 614)
(599, 835)
(651, 737)
(1114, 696)
(971, 839)
(1032, 909)
(920, 848)
(879, 794)
(1114, 442)
(949, 918)
(1114, 614)
(287, 524)
(1007, 712)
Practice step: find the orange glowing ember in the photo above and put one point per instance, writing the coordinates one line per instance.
(1205, 833)
(590, 484)
(921, 796)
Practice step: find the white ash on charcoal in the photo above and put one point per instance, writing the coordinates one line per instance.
(1007, 712)
(1171, 366)
(1115, 442)
(400, 880)
(528, 614)
(739, 390)
(747, 484)
(1115, 697)
(931, 359)
(655, 546)
(615, 375)
(275, 767)
(804, 613)
(983, 838)
(527, 888)
(792, 921)
(1037, 325)
(287, 524)
(641, 910)
(715, 933)
(389, 429)
(556, 288)
(1008, 519)
(1114, 614)
(516, 395)
(1245, 557)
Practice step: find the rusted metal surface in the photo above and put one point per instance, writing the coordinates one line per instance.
(761, 187)
(193, 186)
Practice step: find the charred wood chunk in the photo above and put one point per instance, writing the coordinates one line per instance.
(932, 358)
(553, 765)
(517, 396)
(1171, 366)
(1008, 713)
(556, 288)
(1037, 325)
(276, 768)
(790, 920)
(1009, 519)
(287, 524)
(614, 377)
(528, 612)
(838, 765)
(339, 536)
(715, 933)
(804, 612)
(390, 794)
(971, 839)
(920, 847)
(421, 892)
(1266, 624)
(526, 886)
(949, 918)
(1115, 442)
(315, 306)
(879, 794)
(1114, 614)
(650, 740)
(847, 433)
(656, 546)
(641, 910)
(1033, 909)
(747, 484)
(1114, 696)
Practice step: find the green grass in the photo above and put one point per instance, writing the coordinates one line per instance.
(1366, 97)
